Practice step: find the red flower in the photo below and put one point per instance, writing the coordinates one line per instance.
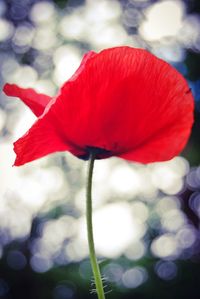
(122, 101)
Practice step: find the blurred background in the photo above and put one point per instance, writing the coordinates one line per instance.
(146, 217)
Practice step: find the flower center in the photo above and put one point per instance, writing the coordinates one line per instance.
(100, 153)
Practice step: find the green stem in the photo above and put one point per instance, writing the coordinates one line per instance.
(93, 259)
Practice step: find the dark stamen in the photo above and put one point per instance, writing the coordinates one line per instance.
(99, 152)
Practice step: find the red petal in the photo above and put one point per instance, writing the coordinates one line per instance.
(35, 101)
(45, 136)
(165, 145)
(42, 139)
(86, 57)
(127, 101)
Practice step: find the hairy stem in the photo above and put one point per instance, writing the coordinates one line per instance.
(93, 259)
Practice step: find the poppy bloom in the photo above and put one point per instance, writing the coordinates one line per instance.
(121, 102)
